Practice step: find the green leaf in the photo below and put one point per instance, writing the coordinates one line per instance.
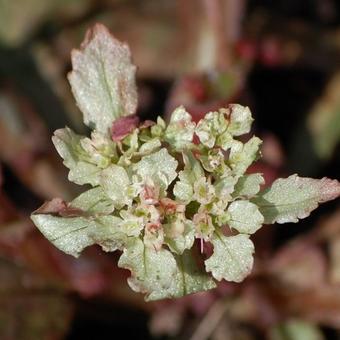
(103, 79)
(243, 155)
(240, 120)
(149, 146)
(245, 217)
(224, 187)
(68, 145)
(292, 198)
(232, 259)
(179, 243)
(159, 166)
(115, 183)
(94, 201)
(191, 278)
(184, 188)
(131, 223)
(159, 274)
(248, 185)
(180, 131)
(210, 127)
(73, 234)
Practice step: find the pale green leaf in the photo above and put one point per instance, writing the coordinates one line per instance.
(248, 185)
(159, 274)
(179, 243)
(115, 183)
(193, 171)
(73, 234)
(191, 278)
(103, 79)
(159, 166)
(243, 155)
(149, 146)
(131, 223)
(94, 201)
(85, 173)
(183, 189)
(210, 127)
(224, 187)
(180, 131)
(292, 198)
(240, 120)
(245, 217)
(68, 145)
(232, 259)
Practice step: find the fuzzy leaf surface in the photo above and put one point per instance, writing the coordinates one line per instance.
(232, 259)
(245, 217)
(69, 148)
(71, 229)
(103, 79)
(160, 274)
(290, 199)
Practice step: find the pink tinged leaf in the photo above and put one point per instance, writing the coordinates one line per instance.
(123, 126)
(293, 198)
(103, 79)
(60, 208)
(146, 124)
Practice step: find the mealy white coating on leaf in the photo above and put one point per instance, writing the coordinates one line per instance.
(248, 185)
(69, 148)
(103, 79)
(115, 182)
(131, 224)
(85, 173)
(292, 198)
(193, 172)
(94, 201)
(73, 234)
(180, 131)
(240, 120)
(183, 189)
(232, 259)
(245, 217)
(224, 187)
(178, 244)
(160, 274)
(149, 146)
(210, 127)
(159, 166)
(225, 140)
(242, 156)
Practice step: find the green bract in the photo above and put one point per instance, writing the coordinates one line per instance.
(161, 191)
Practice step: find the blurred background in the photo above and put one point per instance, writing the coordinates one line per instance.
(281, 58)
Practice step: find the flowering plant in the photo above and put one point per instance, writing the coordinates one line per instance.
(161, 191)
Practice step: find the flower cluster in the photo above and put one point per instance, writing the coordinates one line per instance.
(170, 184)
